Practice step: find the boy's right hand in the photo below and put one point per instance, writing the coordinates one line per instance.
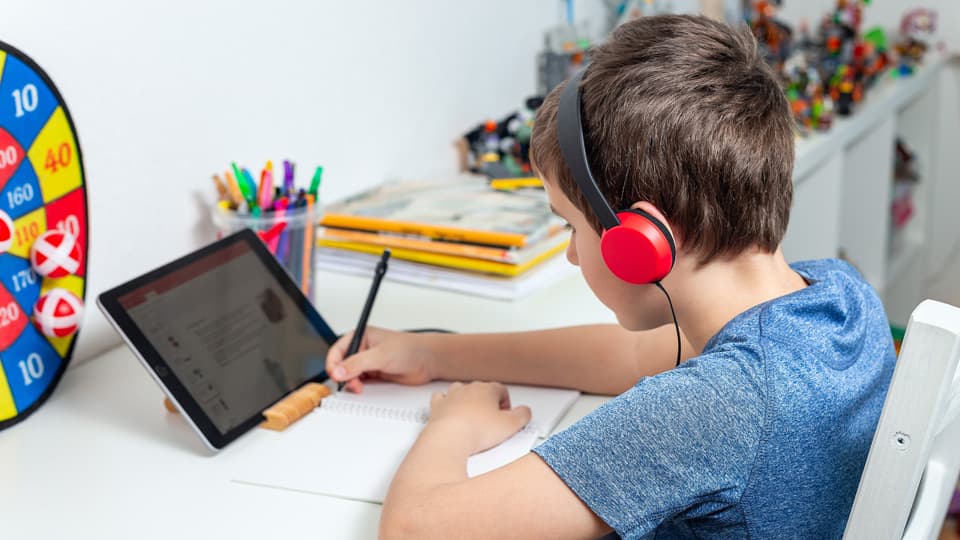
(384, 354)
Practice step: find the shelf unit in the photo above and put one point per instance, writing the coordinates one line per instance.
(843, 188)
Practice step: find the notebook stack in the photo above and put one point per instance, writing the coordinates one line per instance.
(459, 235)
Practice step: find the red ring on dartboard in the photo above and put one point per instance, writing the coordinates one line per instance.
(42, 188)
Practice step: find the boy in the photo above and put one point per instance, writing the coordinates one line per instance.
(763, 431)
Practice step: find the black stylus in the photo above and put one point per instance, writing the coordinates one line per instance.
(367, 308)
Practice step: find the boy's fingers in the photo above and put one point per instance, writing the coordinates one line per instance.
(355, 386)
(519, 417)
(435, 398)
(356, 365)
(500, 392)
(337, 351)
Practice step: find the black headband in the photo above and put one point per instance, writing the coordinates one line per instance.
(570, 134)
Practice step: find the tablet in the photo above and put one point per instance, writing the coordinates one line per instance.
(225, 332)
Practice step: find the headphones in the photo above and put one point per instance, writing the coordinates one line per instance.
(636, 247)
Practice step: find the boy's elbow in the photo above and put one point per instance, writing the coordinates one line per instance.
(429, 516)
(400, 522)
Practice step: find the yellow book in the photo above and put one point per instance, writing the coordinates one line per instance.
(516, 183)
(489, 253)
(448, 261)
(464, 210)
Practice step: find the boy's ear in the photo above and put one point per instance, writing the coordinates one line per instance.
(649, 208)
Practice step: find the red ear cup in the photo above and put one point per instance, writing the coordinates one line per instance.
(639, 250)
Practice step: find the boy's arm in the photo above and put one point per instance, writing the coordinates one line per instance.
(599, 359)
(431, 496)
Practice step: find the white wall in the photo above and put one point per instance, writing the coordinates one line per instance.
(166, 93)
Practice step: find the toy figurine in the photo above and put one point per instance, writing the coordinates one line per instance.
(916, 26)
(501, 149)
(775, 37)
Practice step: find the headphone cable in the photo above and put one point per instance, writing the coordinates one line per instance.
(676, 325)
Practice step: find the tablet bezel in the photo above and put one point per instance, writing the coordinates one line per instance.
(158, 367)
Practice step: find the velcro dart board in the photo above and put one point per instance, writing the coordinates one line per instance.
(42, 196)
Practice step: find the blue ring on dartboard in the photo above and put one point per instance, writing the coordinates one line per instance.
(41, 188)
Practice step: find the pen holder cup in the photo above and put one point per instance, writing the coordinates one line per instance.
(293, 247)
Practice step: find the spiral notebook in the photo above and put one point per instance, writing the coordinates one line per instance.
(352, 445)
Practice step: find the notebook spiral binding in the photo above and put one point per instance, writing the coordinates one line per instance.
(415, 416)
(342, 406)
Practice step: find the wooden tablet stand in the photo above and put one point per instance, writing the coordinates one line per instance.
(288, 410)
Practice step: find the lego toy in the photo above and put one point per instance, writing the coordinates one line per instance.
(828, 72)
(916, 27)
(774, 36)
(500, 149)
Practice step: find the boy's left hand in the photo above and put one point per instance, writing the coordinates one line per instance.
(478, 412)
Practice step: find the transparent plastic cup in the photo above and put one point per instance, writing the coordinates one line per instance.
(293, 247)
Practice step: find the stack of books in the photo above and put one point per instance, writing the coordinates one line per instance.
(459, 235)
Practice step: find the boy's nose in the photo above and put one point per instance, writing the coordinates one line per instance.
(572, 253)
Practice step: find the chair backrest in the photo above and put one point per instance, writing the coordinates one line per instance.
(911, 471)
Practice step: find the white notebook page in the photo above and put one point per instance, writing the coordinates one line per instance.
(353, 449)
(348, 456)
(547, 405)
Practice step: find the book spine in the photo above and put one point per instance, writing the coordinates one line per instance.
(495, 254)
(448, 261)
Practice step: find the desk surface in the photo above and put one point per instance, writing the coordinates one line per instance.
(103, 459)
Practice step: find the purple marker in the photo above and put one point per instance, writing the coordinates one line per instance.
(287, 177)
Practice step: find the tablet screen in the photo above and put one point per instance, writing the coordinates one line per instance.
(229, 331)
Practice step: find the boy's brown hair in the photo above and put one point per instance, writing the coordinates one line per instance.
(683, 112)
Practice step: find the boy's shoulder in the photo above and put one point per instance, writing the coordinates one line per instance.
(824, 267)
(837, 300)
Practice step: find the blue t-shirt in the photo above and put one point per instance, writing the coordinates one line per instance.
(764, 435)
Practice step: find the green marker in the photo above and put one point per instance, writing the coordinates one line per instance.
(242, 183)
(315, 183)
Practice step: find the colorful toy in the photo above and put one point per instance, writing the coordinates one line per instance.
(916, 27)
(774, 36)
(6, 232)
(41, 189)
(501, 149)
(58, 313)
(565, 50)
(55, 254)
(830, 71)
(902, 207)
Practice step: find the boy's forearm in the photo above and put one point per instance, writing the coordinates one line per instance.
(437, 459)
(601, 359)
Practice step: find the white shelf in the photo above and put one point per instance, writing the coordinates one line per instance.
(899, 262)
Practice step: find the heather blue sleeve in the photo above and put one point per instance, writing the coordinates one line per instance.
(676, 446)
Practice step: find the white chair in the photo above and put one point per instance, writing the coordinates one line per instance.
(912, 468)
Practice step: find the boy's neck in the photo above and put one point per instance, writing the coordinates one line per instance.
(707, 298)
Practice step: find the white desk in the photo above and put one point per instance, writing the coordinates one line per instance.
(103, 459)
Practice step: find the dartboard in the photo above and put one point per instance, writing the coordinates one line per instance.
(41, 189)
